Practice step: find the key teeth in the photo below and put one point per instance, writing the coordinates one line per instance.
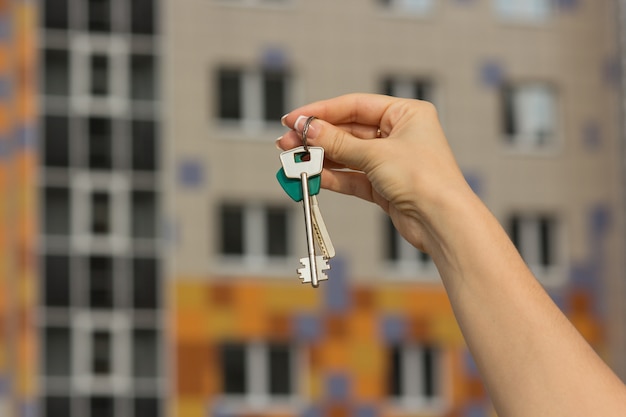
(304, 273)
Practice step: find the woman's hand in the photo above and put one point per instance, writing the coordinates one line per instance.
(406, 167)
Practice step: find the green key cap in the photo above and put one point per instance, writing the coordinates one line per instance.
(293, 187)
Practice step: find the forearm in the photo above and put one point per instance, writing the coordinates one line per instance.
(533, 361)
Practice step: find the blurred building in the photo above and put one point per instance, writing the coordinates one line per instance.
(528, 93)
(168, 251)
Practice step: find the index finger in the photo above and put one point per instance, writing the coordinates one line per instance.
(367, 109)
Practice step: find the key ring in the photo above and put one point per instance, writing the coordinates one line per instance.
(305, 130)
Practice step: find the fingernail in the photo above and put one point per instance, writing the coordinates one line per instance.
(277, 145)
(282, 120)
(313, 128)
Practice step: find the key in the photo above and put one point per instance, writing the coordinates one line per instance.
(305, 272)
(295, 166)
(321, 233)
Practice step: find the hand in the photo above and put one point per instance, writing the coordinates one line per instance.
(406, 171)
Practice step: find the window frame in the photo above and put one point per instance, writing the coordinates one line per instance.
(518, 15)
(410, 264)
(257, 394)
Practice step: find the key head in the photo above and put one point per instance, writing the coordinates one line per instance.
(294, 164)
(293, 187)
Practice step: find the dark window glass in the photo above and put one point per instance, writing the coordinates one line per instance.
(57, 280)
(56, 145)
(100, 143)
(275, 90)
(233, 368)
(58, 351)
(101, 282)
(100, 213)
(147, 407)
(144, 214)
(56, 72)
(99, 12)
(55, 14)
(388, 87)
(508, 112)
(101, 407)
(145, 353)
(392, 249)
(232, 230)
(146, 283)
(101, 352)
(145, 150)
(429, 389)
(56, 406)
(143, 77)
(143, 16)
(279, 374)
(277, 235)
(545, 227)
(395, 387)
(57, 211)
(230, 94)
(514, 231)
(99, 75)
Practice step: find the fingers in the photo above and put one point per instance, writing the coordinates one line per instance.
(340, 146)
(365, 109)
(349, 183)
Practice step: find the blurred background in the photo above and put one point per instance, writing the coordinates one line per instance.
(148, 256)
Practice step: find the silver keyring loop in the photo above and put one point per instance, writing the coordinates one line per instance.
(305, 130)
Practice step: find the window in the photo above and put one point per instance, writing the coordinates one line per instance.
(58, 352)
(99, 15)
(537, 239)
(55, 406)
(142, 77)
(142, 17)
(524, 10)
(145, 353)
(57, 211)
(101, 353)
(144, 214)
(147, 407)
(410, 6)
(100, 143)
(102, 407)
(529, 116)
(56, 146)
(56, 274)
(406, 87)
(100, 213)
(56, 73)
(55, 14)
(146, 283)
(100, 75)
(101, 288)
(252, 98)
(144, 146)
(403, 256)
(255, 231)
(259, 370)
(414, 375)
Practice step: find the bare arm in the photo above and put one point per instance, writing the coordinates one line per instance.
(533, 361)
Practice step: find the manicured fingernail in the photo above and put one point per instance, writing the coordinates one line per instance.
(276, 143)
(282, 120)
(300, 123)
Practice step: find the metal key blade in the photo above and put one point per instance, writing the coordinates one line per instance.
(321, 233)
(305, 271)
(309, 228)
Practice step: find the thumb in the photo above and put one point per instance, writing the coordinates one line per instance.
(339, 145)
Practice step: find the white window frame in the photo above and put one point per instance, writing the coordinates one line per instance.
(252, 120)
(534, 106)
(254, 255)
(257, 395)
(81, 49)
(529, 246)
(117, 186)
(119, 381)
(411, 372)
(524, 11)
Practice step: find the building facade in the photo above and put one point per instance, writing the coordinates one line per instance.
(528, 94)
